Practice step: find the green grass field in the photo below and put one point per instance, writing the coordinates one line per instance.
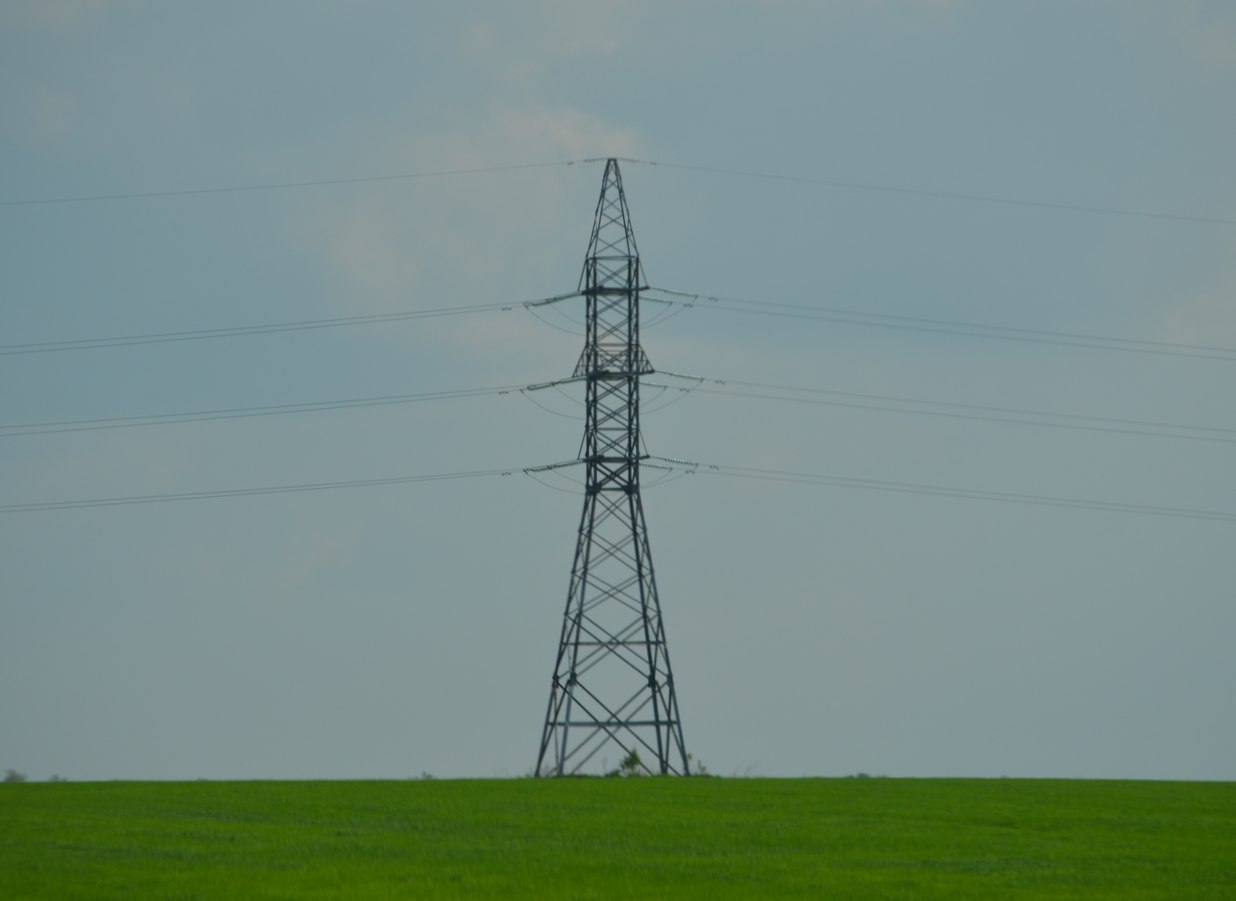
(619, 838)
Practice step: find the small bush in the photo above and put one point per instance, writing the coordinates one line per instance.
(630, 766)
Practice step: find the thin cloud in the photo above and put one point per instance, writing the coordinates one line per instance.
(55, 15)
(389, 249)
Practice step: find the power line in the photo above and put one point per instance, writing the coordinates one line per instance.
(949, 327)
(680, 465)
(1042, 500)
(264, 329)
(124, 422)
(687, 167)
(696, 301)
(943, 195)
(247, 492)
(953, 410)
(282, 185)
(847, 399)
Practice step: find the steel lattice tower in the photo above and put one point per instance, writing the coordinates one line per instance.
(612, 689)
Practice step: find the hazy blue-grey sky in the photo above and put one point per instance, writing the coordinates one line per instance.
(385, 631)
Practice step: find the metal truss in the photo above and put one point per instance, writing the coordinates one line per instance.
(613, 689)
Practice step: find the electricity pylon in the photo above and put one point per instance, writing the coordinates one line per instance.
(613, 689)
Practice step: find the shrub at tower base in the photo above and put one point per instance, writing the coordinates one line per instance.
(619, 838)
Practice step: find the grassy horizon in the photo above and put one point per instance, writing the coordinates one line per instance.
(619, 838)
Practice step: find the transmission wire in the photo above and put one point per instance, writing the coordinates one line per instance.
(246, 492)
(274, 186)
(151, 419)
(852, 400)
(686, 167)
(944, 491)
(979, 417)
(964, 329)
(267, 328)
(761, 474)
(944, 195)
